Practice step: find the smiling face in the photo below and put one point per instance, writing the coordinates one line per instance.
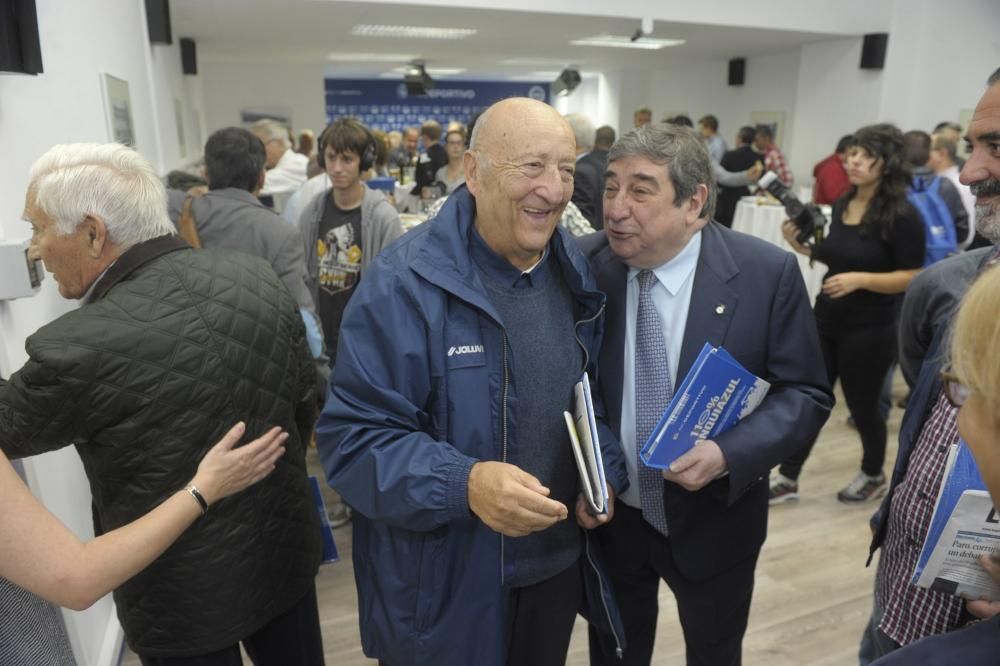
(982, 170)
(646, 227)
(521, 174)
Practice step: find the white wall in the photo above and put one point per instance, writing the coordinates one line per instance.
(697, 87)
(64, 104)
(834, 97)
(230, 88)
(939, 56)
(597, 97)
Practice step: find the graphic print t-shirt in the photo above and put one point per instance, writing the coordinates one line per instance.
(338, 254)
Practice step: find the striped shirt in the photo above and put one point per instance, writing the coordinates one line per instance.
(912, 612)
(774, 160)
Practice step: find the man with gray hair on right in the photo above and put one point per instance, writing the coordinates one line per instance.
(286, 169)
(676, 280)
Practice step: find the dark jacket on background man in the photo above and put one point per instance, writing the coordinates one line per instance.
(427, 166)
(738, 161)
(170, 348)
(588, 186)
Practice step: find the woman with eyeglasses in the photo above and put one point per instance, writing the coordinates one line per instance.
(873, 249)
(452, 174)
(973, 384)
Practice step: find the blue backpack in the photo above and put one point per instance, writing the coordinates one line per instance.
(939, 227)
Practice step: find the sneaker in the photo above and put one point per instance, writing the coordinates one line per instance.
(339, 515)
(863, 488)
(783, 489)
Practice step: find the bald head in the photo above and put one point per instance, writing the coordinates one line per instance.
(520, 169)
(512, 117)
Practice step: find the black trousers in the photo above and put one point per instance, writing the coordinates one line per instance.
(713, 612)
(290, 639)
(540, 619)
(860, 358)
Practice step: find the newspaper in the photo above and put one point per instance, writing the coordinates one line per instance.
(582, 427)
(963, 527)
(972, 530)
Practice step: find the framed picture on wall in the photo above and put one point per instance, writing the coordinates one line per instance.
(118, 110)
(775, 120)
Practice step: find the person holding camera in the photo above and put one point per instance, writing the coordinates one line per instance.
(873, 249)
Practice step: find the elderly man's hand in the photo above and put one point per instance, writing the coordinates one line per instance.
(755, 172)
(511, 501)
(589, 521)
(694, 470)
(983, 608)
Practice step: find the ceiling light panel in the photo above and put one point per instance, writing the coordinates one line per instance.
(411, 32)
(434, 71)
(625, 42)
(371, 57)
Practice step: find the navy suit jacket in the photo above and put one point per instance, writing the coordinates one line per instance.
(748, 296)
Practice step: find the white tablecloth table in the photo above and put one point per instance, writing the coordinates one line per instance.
(764, 222)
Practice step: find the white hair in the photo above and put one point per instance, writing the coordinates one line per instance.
(271, 130)
(583, 131)
(106, 180)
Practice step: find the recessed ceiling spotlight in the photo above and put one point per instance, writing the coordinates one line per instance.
(411, 31)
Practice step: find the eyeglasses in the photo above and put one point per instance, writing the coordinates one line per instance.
(954, 390)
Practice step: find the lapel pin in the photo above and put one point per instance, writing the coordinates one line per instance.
(720, 309)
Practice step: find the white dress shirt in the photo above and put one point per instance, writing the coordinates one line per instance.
(968, 200)
(671, 295)
(287, 176)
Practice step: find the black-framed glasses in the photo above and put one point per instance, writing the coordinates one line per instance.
(954, 390)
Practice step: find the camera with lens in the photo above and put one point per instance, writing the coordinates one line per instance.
(807, 217)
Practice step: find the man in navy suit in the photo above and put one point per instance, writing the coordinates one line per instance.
(675, 281)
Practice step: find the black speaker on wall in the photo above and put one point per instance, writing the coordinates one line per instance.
(20, 48)
(737, 71)
(873, 50)
(189, 56)
(158, 21)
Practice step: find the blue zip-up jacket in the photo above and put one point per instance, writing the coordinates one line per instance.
(422, 390)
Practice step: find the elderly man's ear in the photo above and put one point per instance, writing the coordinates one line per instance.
(95, 235)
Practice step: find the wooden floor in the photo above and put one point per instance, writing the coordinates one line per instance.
(812, 596)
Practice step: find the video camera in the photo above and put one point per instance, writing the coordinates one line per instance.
(807, 217)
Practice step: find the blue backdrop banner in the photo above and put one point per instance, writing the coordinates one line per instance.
(385, 105)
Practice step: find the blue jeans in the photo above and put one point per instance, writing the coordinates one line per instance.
(874, 643)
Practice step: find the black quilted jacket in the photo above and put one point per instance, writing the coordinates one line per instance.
(173, 347)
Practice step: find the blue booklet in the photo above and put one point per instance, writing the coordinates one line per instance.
(963, 526)
(716, 394)
(330, 553)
